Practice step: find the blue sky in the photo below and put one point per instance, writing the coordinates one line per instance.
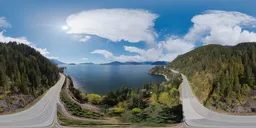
(117, 30)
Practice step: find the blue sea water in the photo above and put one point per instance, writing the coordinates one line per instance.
(101, 79)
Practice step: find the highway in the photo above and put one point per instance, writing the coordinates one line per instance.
(42, 114)
(196, 115)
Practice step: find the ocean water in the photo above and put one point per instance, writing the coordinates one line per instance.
(101, 79)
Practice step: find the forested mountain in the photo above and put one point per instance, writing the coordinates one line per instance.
(222, 77)
(57, 62)
(24, 75)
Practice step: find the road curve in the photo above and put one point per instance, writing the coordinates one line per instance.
(196, 115)
(42, 114)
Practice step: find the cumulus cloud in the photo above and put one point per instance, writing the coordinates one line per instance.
(122, 58)
(23, 40)
(210, 27)
(131, 25)
(53, 57)
(43, 51)
(4, 23)
(84, 38)
(11, 39)
(134, 49)
(177, 45)
(151, 54)
(221, 27)
(106, 53)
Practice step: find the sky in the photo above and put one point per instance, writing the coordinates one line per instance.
(102, 31)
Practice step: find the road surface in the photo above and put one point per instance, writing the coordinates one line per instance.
(42, 114)
(196, 115)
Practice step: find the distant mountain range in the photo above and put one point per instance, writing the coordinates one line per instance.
(137, 63)
(57, 62)
(86, 63)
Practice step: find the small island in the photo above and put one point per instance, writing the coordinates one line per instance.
(71, 64)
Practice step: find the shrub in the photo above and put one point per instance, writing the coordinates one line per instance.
(153, 98)
(174, 93)
(126, 116)
(83, 96)
(245, 89)
(94, 98)
(164, 98)
(118, 110)
(136, 110)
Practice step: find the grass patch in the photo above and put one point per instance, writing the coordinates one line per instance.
(76, 110)
(155, 125)
(66, 121)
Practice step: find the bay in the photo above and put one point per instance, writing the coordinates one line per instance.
(101, 79)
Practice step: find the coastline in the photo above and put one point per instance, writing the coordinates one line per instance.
(166, 78)
(76, 84)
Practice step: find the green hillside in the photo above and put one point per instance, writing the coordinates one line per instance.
(24, 75)
(222, 77)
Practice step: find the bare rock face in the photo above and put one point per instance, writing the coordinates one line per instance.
(11, 103)
(247, 107)
(241, 109)
(3, 104)
(253, 109)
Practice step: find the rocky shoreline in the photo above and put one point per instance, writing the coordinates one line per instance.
(166, 78)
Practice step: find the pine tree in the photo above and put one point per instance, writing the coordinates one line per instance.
(3, 81)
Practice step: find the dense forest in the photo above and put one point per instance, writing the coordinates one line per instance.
(151, 104)
(24, 75)
(222, 77)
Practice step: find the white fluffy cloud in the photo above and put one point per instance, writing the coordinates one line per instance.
(23, 40)
(9, 39)
(122, 58)
(210, 27)
(43, 51)
(84, 38)
(221, 27)
(134, 49)
(53, 57)
(131, 25)
(4, 23)
(106, 53)
(152, 54)
(177, 45)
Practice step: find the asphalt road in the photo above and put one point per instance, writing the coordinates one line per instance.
(42, 114)
(196, 115)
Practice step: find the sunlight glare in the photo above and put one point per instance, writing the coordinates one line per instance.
(64, 27)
